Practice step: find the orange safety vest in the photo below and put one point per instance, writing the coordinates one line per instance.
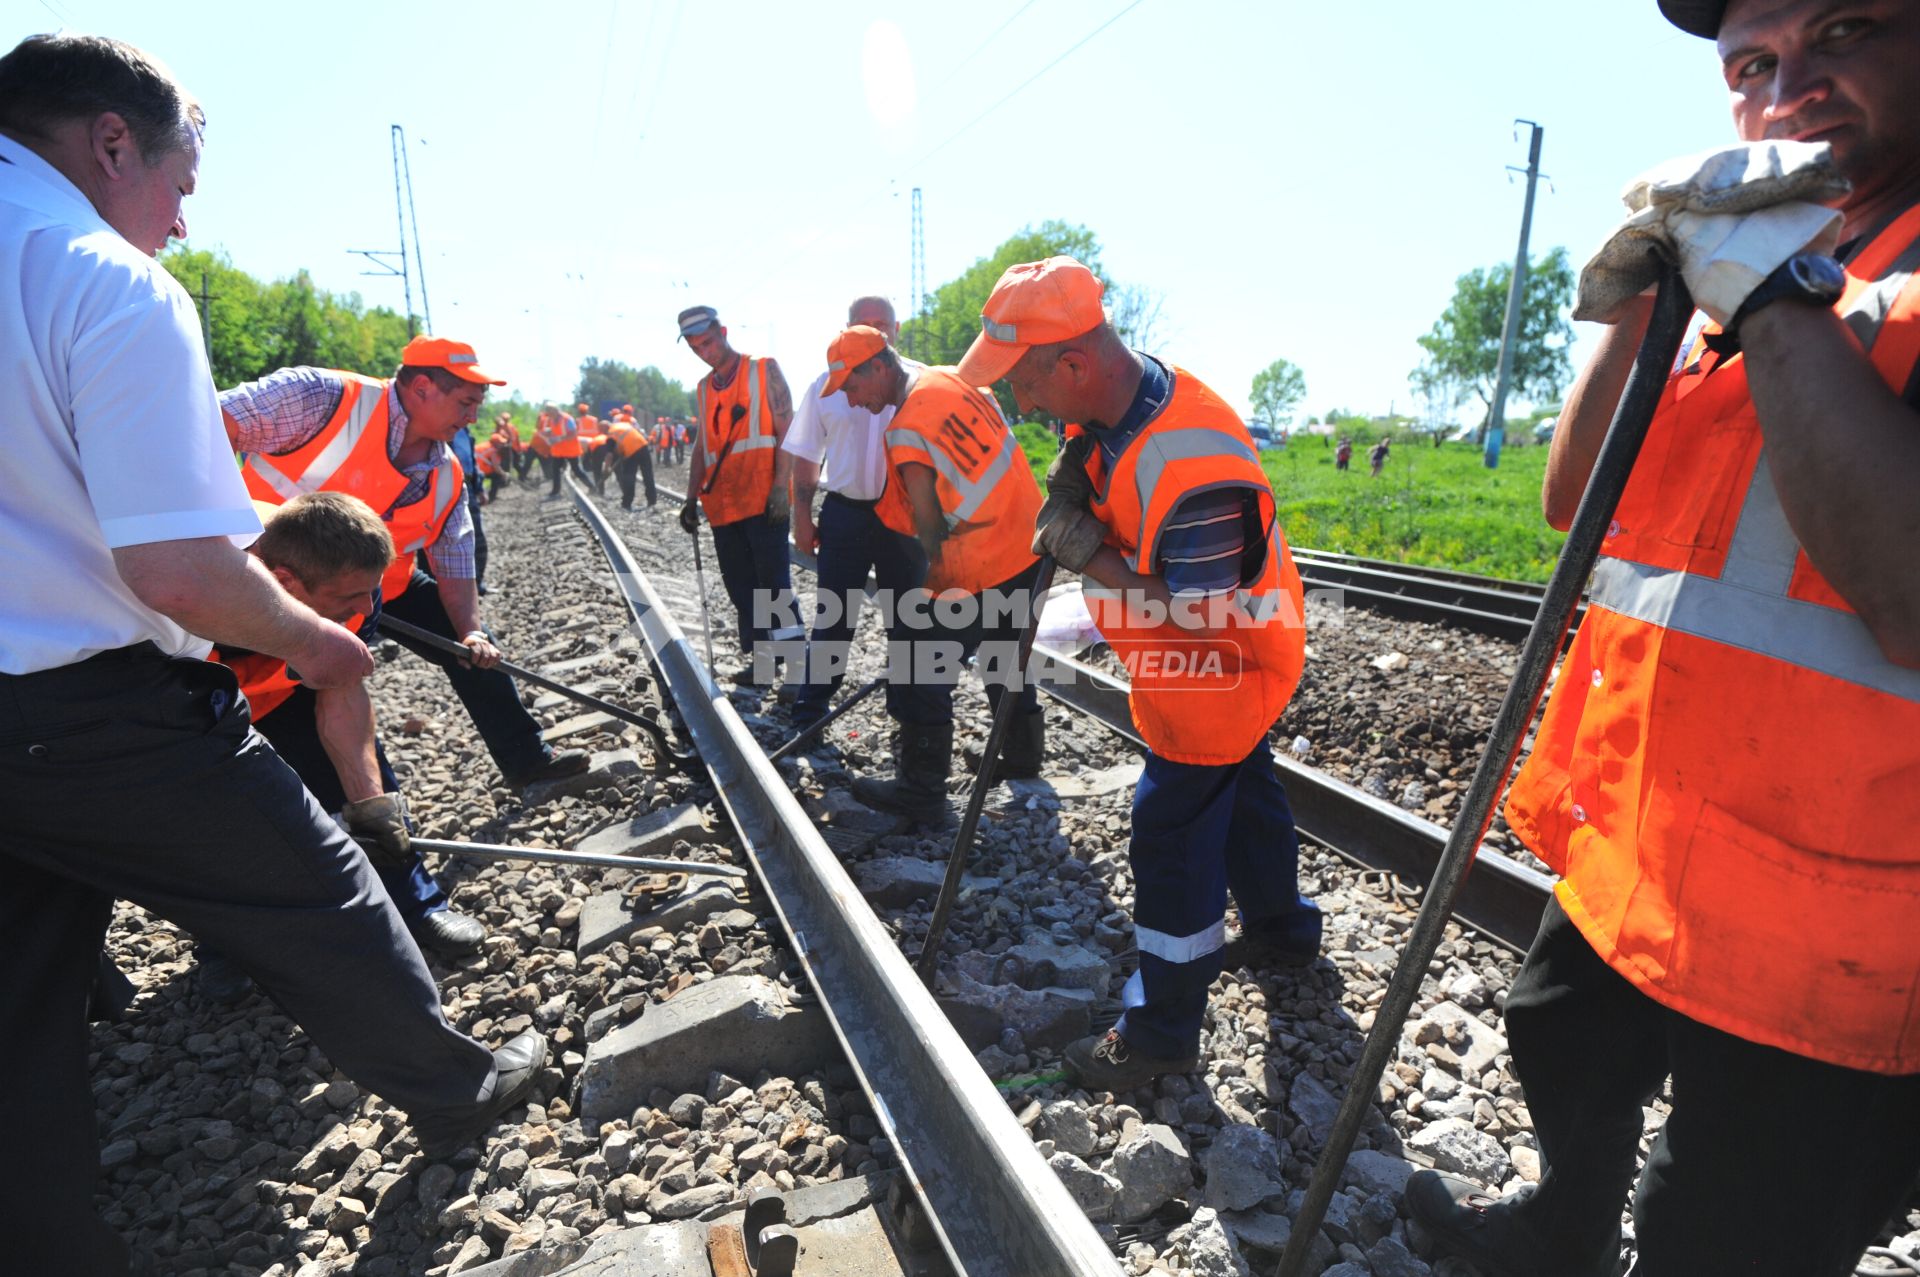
(986, 488)
(1728, 774)
(559, 441)
(507, 441)
(738, 446)
(1201, 699)
(590, 427)
(662, 436)
(350, 455)
(485, 459)
(626, 437)
(263, 680)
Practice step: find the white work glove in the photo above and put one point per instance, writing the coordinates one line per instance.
(1728, 219)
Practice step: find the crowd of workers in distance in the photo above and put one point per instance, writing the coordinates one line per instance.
(1723, 777)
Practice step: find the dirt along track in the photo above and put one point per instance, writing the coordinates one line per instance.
(231, 1146)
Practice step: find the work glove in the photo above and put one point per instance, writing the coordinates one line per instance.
(1065, 527)
(690, 516)
(379, 824)
(779, 504)
(1727, 219)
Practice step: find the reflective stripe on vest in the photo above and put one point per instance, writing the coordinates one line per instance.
(1728, 772)
(349, 454)
(1204, 700)
(986, 491)
(743, 458)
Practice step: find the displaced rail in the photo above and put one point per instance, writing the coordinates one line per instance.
(1502, 899)
(1483, 604)
(993, 1204)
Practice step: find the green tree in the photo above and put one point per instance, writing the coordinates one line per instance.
(608, 383)
(1463, 347)
(1277, 391)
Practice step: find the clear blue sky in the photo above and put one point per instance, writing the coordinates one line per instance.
(1297, 180)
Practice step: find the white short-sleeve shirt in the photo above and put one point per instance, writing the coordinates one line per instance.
(850, 442)
(113, 435)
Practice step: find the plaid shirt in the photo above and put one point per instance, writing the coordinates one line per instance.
(285, 409)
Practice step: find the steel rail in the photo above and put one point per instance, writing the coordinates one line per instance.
(1502, 899)
(992, 1202)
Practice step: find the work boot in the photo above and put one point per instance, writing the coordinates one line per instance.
(448, 934)
(218, 979)
(554, 764)
(1108, 1063)
(1021, 752)
(517, 1062)
(919, 785)
(1292, 940)
(1491, 1233)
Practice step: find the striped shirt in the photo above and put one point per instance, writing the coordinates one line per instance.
(1203, 546)
(284, 409)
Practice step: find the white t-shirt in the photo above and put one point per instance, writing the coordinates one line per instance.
(851, 441)
(112, 435)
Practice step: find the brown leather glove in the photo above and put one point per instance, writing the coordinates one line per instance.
(1065, 527)
(379, 825)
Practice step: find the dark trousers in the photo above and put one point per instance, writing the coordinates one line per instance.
(640, 463)
(491, 700)
(753, 566)
(1770, 1165)
(853, 542)
(294, 732)
(133, 776)
(1198, 832)
(926, 646)
(553, 468)
(522, 461)
(479, 531)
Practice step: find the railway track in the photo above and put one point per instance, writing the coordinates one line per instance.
(1483, 604)
(994, 1204)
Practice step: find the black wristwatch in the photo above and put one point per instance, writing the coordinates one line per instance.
(1812, 279)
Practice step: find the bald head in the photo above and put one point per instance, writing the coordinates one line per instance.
(874, 312)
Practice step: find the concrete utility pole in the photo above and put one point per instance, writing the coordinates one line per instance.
(1516, 293)
(206, 314)
(918, 288)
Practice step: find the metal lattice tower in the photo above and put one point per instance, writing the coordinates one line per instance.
(918, 287)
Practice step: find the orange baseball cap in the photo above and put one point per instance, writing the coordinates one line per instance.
(853, 347)
(1034, 304)
(455, 356)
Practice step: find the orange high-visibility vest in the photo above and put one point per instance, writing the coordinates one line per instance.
(590, 427)
(626, 437)
(485, 459)
(506, 440)
(350, 455)
(737, 446)
(986, 488)
(1201, 699)
(662, 435)
(560, 434)
(263, 680)
(1728, 774)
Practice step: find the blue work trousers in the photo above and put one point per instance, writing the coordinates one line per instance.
(853, 542)
(1199, 831)
(926, 646)
(754, 569)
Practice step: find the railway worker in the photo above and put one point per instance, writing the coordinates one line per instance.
(593, 454)
(1725, 773)
(634, 455)
(329, 550)
(682, 442)
(745, 408)
(523, 453)
(960, 484)
(291, 425)
(127, 767)
(850, 538)
(560, 436)
(1159, 502)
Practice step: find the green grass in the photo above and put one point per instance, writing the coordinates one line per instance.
(1434, 506)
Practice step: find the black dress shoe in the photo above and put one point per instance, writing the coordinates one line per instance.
(449, 934)
(518, 1062)
(557, 765)
(218, 980)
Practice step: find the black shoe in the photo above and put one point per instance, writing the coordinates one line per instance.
(557, 765)
(217, 979)
(518, 1062)
(1488, 1232)
(918, 787)
(804, 714)
(1266, 949)
(1108, 1064)
(448, 934)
